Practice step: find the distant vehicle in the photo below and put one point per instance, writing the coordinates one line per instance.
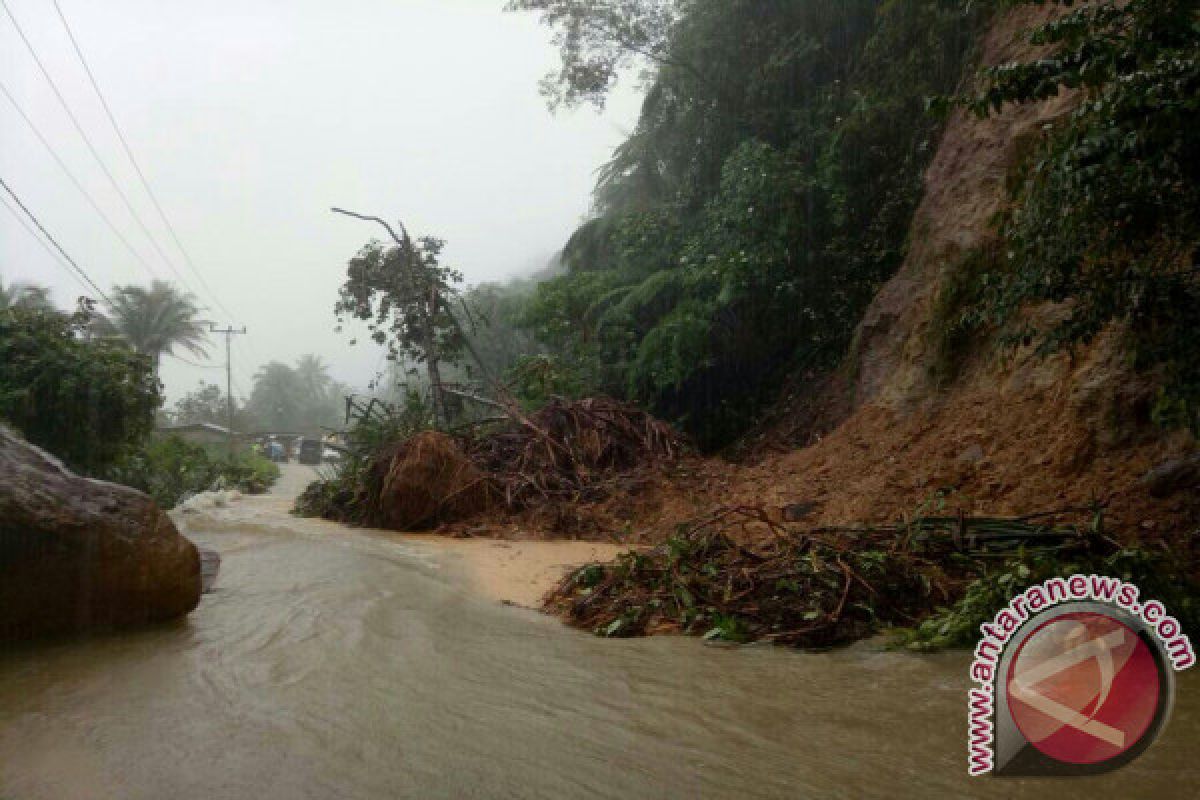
(331, 456)
(311, 451)
(275, 451)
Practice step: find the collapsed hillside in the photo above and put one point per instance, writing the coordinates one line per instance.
(1013, 431)
(933, 422)
(887, 437)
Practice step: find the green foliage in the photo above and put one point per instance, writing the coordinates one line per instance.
(596, 42)
(403, 292)
(765, 194)
(170, 468)
(29, 296)
(88, 401)
(1156, 573)
(154, 320)
(1106, 216)
(536, 379)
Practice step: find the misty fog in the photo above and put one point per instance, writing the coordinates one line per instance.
(251, 119)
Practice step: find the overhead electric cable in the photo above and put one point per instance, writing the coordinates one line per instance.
(91, 147)
(55, 257)
(78, 185)
(53, 241)
(136, 166)
(191, 363)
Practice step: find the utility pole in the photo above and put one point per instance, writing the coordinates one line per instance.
(229, 333)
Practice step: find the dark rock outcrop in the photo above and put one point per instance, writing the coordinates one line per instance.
(79, 555)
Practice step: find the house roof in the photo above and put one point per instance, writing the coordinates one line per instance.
(194, 427)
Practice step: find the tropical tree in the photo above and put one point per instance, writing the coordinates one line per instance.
(406, 296)
(765, 193)
(313, 375)
(208, 403)
(155, 320)
(89, 401)
(20, 294)
(277, 401)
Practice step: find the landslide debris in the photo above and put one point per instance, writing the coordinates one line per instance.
(739, 575)
(564, 456)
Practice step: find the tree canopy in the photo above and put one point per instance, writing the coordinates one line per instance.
(155, 319)
(88, 400)
(765, 194)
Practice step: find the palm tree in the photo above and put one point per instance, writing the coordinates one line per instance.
(313, 374)
(20, 294)
(276, 401)
(155, 320)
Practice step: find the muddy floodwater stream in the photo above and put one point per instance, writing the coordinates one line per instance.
(331, 663)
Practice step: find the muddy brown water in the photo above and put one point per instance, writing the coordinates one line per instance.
(345, 664)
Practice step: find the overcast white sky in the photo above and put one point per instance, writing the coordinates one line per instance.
(252, 117)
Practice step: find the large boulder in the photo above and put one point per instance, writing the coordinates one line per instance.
(79, 554)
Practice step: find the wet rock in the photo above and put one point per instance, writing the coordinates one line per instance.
(79, 555)
(1172, 476)
(210, 565)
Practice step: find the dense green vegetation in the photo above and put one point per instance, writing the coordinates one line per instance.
(1106, 210)
(88, 400)
(168, 469)
(765, 194)
(154, 320)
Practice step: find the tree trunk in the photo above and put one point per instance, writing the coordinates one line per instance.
(431, 362)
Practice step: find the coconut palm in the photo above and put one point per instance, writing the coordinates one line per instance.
(313, 374)
(277, 398)
(20, 294)
(155, 320)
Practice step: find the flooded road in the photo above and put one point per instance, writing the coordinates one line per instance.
(332, 663)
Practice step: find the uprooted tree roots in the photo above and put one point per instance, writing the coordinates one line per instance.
(808, 588)
(568, 450)
(565, 453)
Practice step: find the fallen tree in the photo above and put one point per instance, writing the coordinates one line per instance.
(567, 452)
(738, 574)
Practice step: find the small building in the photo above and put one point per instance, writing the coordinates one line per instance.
(197, 432)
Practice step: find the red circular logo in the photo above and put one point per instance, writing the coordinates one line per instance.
(1083, 688)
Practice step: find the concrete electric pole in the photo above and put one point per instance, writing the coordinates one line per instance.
(229, 333)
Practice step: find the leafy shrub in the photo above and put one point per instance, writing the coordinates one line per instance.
(170, 468)
(90, 401)
(958, 625)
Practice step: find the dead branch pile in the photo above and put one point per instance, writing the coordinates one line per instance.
(571, 450)
(809, 588)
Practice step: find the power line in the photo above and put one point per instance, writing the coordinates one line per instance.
(53, 241)
(78, 185)
(55, 257)
(132, 160)
(91, 148)
(191, 363)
